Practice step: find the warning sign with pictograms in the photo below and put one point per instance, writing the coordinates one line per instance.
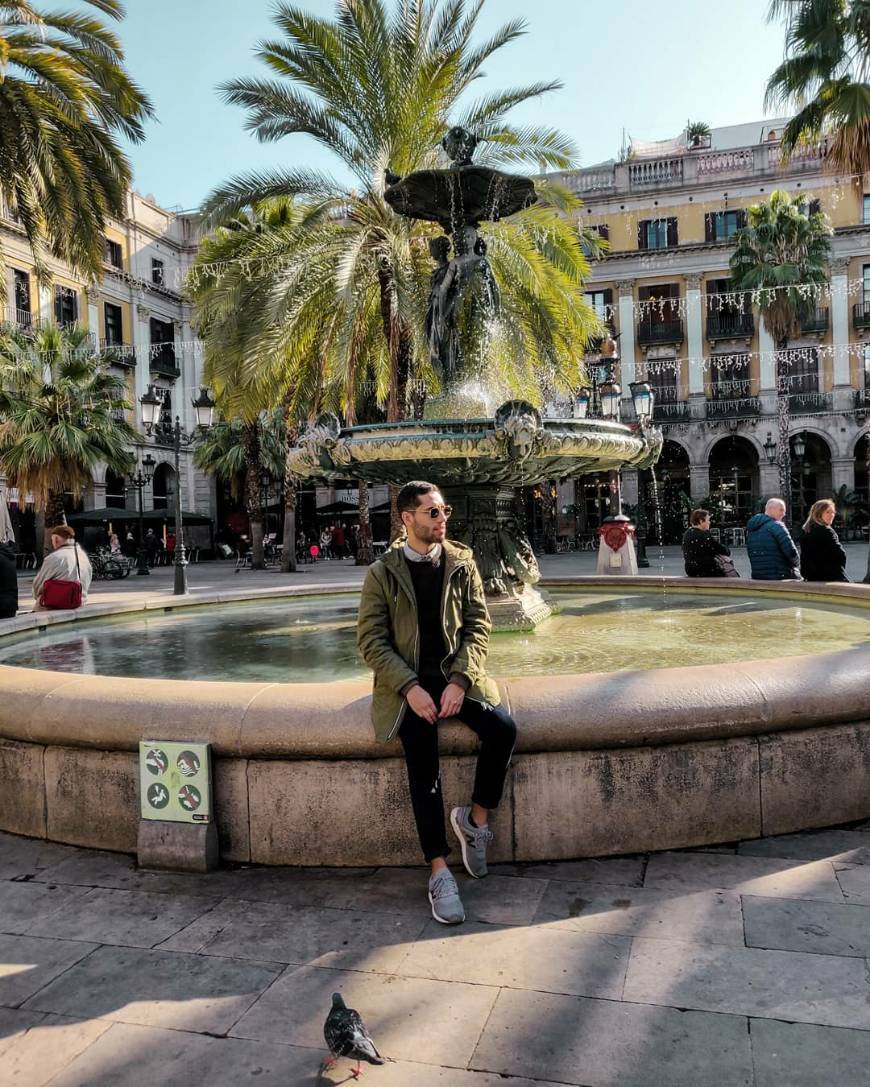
(175, 781)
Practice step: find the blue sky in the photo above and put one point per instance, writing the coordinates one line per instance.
(642, 65)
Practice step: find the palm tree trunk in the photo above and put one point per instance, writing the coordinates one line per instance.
(253, 502)
(288, 555)
(54, 515)
(365, 555)
(400, 347)
(783, 412)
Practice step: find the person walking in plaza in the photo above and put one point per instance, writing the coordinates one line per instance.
(702, 554)
(423, 629)
(152, 546)
(772, 553)
(67, 562)
(338, 541)
(823, 557)
(8, 580)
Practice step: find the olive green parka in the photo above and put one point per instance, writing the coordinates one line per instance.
(388, 635)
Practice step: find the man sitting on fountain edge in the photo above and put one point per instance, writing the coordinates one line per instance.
(423, 629)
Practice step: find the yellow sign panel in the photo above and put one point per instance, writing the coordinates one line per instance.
(175, 781)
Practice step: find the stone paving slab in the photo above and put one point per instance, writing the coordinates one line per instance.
(23, 905)
(771, 876)
(14, 1023)
(28, 857)
(854, 881)
(819, 928)
(796, 1055)
(95, 868)
(600, 1043)
(267, 931)
(498, 899)
(840, 845)
(703, 917)
(410, 1019)
(41, 1052)
(27, 963)
(156, 988)
(148, 1057)
(627, 871)
(539, 957)
(750, 981)
(127, 918)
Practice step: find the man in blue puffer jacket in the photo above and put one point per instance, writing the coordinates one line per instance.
(772, 553)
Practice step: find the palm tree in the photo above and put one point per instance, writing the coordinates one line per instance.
(825, 77)
(780, 260)
(237, 452)
(61, 414)
(65, 97)
(349, 283)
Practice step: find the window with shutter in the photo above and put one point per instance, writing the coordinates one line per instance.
(66, 305)
(671, 232)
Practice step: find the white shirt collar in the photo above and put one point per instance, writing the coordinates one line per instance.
(433, 555)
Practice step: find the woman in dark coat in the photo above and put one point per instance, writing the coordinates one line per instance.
(700, 548)
(822, 554)
(8, 581)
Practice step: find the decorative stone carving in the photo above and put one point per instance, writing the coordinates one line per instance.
(625, 288)
(693, 282)
(840, 266)
(143, 312)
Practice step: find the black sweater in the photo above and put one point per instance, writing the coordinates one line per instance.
(822, 555)
(699, 553)
(428, 582)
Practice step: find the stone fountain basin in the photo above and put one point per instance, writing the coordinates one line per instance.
(472, 451)
(606, 763)
(460, 194)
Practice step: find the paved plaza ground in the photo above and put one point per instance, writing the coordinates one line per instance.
(727, 967)
(746, 965)
(211, 577)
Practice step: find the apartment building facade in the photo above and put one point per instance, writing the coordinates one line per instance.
(669, 213)
(138, 317)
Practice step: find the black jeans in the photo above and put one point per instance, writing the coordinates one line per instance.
(497, 732)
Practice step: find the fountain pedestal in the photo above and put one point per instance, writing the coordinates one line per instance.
(485, 518)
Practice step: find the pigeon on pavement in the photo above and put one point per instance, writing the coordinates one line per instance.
(346, 1036)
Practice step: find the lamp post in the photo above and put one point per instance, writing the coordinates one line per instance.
(138, 481)
(799, 448)
(602, 399)
(203, 405)
(643, 398)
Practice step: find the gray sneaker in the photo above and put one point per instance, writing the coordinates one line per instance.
(473, 840)
(444, 897)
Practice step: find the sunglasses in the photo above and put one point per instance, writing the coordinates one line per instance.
(435, 511)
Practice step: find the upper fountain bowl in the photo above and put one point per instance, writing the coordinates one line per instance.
(460, 195)
(514, 448)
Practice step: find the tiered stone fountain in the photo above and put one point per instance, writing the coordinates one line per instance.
(478, 462)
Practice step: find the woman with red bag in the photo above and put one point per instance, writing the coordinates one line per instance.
(65, 575)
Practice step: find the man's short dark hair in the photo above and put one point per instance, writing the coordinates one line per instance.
(408, 498)
(697, 516)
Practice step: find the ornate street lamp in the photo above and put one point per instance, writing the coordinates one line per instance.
(769, 448)
(203, 405)
(610, 394)
(582, 400)
(799, 446)
(138, 481)
(643, 398)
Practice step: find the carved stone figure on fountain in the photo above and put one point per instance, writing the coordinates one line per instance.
(450, 280)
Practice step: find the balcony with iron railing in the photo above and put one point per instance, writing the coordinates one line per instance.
(21, 319)
(728, 324)
(162, 360)
(861, 315)
(802, 403)
(862, 399)
(740, 404)
(651, 331)
(120, 354)
(816, 321)
(694, 167)
(670, 410)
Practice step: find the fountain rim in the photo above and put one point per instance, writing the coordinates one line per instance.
(330, 720)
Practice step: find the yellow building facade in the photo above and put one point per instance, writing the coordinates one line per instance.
(139, 318)
(669, 213)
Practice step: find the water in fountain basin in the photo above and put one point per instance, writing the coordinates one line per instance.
(314, 639)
